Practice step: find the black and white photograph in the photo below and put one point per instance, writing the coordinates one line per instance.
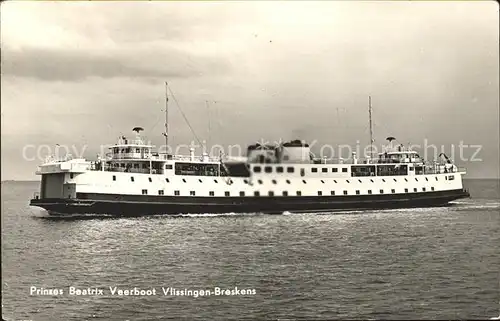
(250, 160)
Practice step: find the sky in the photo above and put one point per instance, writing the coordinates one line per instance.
(81, 74)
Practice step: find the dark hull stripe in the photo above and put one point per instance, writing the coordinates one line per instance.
(147, 205)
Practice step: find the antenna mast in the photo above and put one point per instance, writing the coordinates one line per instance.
(371, 127)
(166, 118)
(209, 124)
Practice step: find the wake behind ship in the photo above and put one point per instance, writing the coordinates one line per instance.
(134, 180)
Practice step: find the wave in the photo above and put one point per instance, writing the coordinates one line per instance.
(207, 214)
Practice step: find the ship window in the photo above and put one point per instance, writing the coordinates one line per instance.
(192, 193)
(167, 180)
(406, 180)
(335, 169)
(314, 170)
(383, 180)
(257, 169)
(347, 181)
(144, 191)
(114, 177)
(144, 166)
(127, 150)
(411, 168)
(200, 181)
(369, 191)
(274, 181)
(71, 175)
(332, 192)
(395, 180)
(288, 181)
(226, 193)
(132, 179)
(304, 181)
(322, 181)
(245, 181)
(446, 177)
(299, 193)
(256, 193)
(211, 193)
(371, 180)
(285, 193)
(432, 188)
(451, 177)
(122, 165)
(324, 170)
(137, 150)
(436, 178)
(335, 181)
(360, 181)
(357, 192)
(406, 190)
(279, 169)
(116, 150)
(426, 179)
(160, 192)
(344, 170)
(414, 189)
(271, 193)
(289, 169)
(393, 191)
(423, 189)
(242, 193)
(149, 179)
(320, 193)
(136, 165)
(169, 166)
(215, 181)
(345, 192)
(260, 181)
(381, 191)
(184, 180)
(416, 179)
(268, 169)
(176, 192)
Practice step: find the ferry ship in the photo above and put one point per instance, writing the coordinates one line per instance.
(133, 179)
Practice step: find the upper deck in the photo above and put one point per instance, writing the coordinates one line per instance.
(136, 155)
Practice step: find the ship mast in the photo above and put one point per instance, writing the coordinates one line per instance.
(209, 124)
(166, 118)
(371, 127)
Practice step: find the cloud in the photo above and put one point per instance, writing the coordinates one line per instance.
(75, 65)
